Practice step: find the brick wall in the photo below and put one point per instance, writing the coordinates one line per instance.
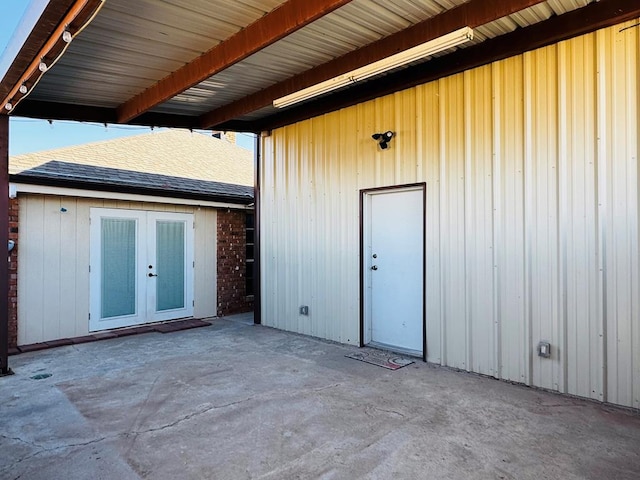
(13, 274)
(232, 296)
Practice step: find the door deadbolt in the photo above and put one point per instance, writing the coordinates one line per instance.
(375, 255)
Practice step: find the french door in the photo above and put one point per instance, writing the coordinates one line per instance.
(141, 267)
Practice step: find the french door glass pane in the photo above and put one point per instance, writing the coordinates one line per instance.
(118, 257)
(170, 265)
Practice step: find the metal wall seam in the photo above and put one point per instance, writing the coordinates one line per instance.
(528, 214)
(602, 193)
(497, 215)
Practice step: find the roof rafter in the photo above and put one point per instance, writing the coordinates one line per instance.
(275, 25)
(472, 14)
(45, 26)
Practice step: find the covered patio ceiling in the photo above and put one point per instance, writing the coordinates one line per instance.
(220, 65)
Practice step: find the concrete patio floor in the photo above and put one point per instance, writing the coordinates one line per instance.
(236, 401)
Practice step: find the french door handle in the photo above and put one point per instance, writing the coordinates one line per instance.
(152, 275)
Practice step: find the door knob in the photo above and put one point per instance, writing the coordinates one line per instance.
(152, 275)
(375, 267)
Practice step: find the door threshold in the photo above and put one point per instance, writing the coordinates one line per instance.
(394, 349)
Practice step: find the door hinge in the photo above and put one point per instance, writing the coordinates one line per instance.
(193, 303)
(194, 264)
(89, 316)
(89, 268)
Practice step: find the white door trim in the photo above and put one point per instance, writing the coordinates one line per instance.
(366, 261)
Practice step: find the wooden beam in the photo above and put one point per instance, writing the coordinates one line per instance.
(275, 25)
(43, 29)
(81, 113)
(472, 14)
(578, 22)
(78, 15)
(4, 240)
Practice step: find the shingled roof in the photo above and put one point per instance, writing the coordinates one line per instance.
(174, 163)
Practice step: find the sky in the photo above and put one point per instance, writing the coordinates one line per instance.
(30, 135)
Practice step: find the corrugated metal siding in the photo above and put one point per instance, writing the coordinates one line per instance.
(532, 215)
(53, 262)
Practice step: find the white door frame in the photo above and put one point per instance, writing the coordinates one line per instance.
(365, 261)
(145, 309)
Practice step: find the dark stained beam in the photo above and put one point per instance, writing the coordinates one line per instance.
(563, 27)
(277, 24)
(81, 113)
(44, 27)
(4, 240)
(471, 14)
(76, 17)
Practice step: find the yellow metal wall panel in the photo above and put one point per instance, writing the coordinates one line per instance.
(577, 125)
(428, 161)
(541, 211)
(531, 217)
(618, 67)
(509, 218)
(452, 220)
(478, 207)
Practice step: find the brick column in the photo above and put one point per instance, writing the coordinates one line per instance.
(232, 297)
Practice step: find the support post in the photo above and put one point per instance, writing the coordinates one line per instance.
(4, 240)
(257, 297)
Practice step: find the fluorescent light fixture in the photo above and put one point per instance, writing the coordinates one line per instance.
(431, 47)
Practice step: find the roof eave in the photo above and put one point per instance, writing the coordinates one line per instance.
(140, 190)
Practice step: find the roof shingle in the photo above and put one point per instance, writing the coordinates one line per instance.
(173, 161)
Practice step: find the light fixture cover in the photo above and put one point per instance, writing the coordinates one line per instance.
(431, 47)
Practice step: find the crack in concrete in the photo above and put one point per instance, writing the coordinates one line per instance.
(43, 449)
(190, 416)
(137, 417)
(369, 408)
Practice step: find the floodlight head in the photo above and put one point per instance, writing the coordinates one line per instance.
(383, 139)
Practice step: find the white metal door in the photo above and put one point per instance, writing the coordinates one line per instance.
(394, 269)
(141, 267)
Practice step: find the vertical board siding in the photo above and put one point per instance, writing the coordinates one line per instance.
(53, 259)
(532, 215)
(205, 281)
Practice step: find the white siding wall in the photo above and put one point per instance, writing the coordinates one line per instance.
(53, 263)
(532, 215)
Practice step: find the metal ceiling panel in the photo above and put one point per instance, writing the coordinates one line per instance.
(127, 49)
(351, 27)
(158, 36)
